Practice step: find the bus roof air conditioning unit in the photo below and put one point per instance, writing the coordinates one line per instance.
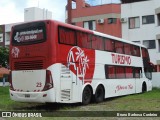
(100, 21)
(123, 20)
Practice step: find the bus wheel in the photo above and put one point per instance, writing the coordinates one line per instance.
(144, 87)
(87, 95)
(99, 94)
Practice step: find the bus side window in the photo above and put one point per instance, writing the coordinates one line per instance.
(138, 51)
(83, 40)
(135, 50)
(129, 72)
(145, 53)
(120, 72)
(119, 47)
(148, 73)
(67, 36)
(110, 72)
(109, 45)
(137, 72)
(97, 42)
(127, 49)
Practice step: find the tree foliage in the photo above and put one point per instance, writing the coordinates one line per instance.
(4, 56)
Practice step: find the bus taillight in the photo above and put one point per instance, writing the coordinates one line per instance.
(10, 81)
(49, 81)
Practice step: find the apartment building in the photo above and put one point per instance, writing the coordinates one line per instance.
(104, 18)
(141, 24)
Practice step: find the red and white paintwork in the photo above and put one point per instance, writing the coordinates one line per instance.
(72, 68)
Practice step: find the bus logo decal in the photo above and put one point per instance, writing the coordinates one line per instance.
(18, 38)
(121, 59)
(77, 55)
(30, 35)
(15, 52)
(120, 87)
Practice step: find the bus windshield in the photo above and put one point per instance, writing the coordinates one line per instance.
(29, 33)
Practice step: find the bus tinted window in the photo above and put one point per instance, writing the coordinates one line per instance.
(83, 40)
(97, 43)
(109, 45)
(129, 72)
(146, 63)
(119, 47)
(135, 50)
(29, 33)
(120, 72)
(67, 36)
(145, 53)
(127, 49)
(137, 72)
(110, 72)
(148, 72)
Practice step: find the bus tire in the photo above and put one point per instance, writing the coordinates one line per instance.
(144, 87)
(87, 95)
(99, 94)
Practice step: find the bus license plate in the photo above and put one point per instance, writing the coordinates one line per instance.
(27, 95)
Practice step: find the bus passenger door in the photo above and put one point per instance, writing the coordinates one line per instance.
(138, 79)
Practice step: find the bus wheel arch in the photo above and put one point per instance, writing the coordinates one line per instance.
(99, 93)
(87, 94)
(144, 87)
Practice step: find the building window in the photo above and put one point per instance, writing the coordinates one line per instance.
(159, 45)
(148, 19)
(134, 22)
(74, 5)
(91, 25)
(1, 37)
(73, 23)
(150, 44)
(112, 20)
(138, 42)
(158, 18)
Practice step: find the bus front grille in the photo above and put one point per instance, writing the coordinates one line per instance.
(28, 65)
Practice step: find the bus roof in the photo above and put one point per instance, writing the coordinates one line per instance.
(88, 31)
(99, 33)
(118, 39)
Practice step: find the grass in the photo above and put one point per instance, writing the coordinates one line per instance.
(149, 101)
(137, 102)
(7, 104)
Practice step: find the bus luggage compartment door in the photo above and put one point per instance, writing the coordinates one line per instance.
(65, 84)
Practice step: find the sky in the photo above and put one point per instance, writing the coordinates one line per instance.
(12, 11)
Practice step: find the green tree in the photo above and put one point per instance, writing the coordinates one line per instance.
(4, 56)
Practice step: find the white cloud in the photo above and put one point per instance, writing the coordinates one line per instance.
(9, 13)
(13, 11)
(57, 7)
